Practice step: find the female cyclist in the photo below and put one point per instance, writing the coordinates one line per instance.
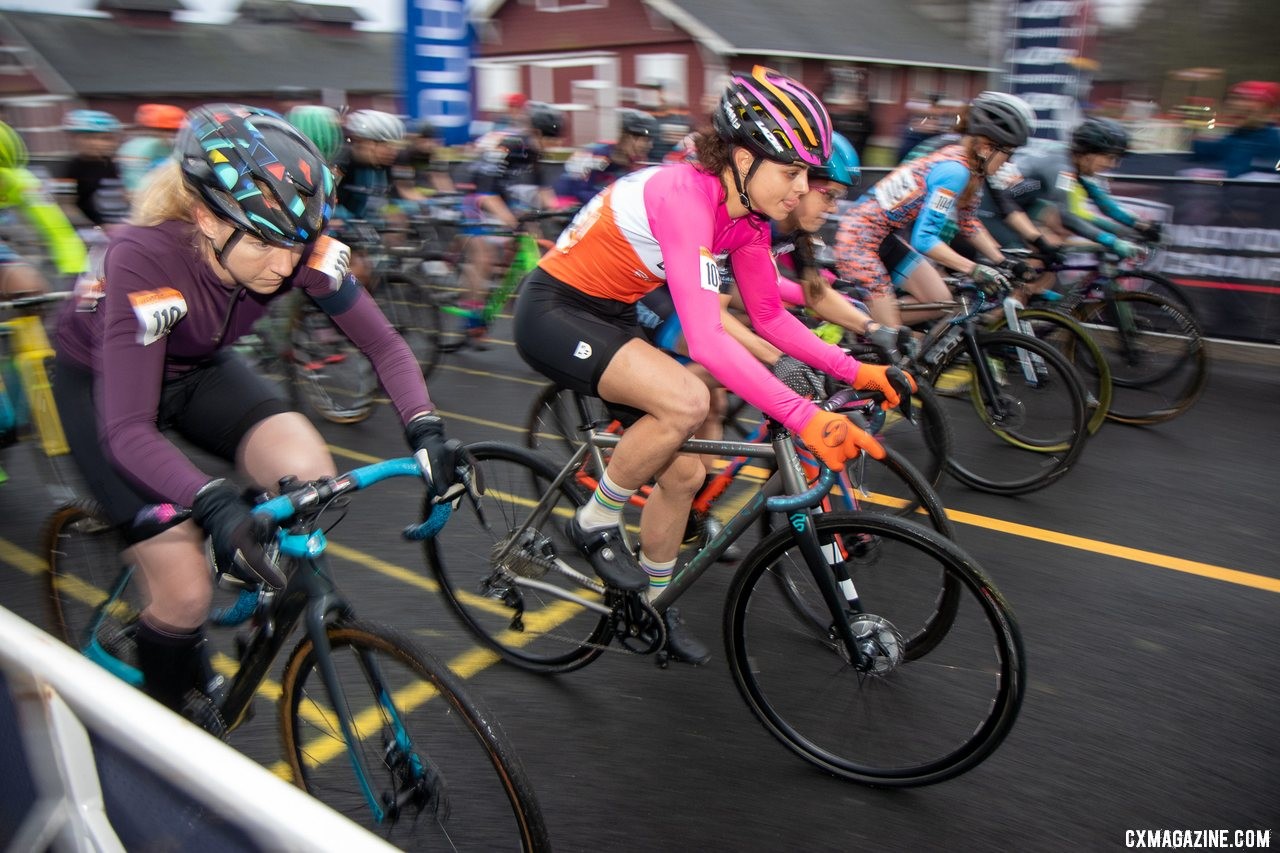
(576, 318)
(234, 223)
(928, 195)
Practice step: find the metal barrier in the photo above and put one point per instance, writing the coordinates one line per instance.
(91, 764)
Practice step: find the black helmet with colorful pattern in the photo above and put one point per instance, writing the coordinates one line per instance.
(257, 171)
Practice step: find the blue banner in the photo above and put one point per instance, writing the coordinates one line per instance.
(437, 62)
(1043, 58)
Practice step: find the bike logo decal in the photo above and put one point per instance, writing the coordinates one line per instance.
(798, 521)
(583, 351)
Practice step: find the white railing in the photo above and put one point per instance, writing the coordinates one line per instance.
(60, 697)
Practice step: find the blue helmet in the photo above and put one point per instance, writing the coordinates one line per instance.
(91, 121)
(842, 166)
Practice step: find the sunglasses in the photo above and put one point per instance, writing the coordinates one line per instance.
(832, 194)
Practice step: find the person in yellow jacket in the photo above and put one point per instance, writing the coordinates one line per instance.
(23, 191)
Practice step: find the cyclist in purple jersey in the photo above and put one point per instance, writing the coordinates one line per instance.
(236, 222)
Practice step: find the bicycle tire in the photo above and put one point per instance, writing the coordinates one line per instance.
(529, 628)
(551, 427)
(459, 783)
(1065, 334)
(82, 550)
(1144, 281)
(329, 371)
(926, 712)
(1163, 371)
(407, 302)
(1026, 448)
(797, 589)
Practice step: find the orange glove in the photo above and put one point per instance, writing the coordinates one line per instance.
(875, 377)
(835, 440)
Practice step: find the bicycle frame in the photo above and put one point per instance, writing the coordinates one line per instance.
(786, 492)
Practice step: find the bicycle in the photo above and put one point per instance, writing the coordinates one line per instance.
(558, 416)
(1152, 345)
(915, 675)
(28, 413)
(1030, 403)
(526, 251)
(418, 760)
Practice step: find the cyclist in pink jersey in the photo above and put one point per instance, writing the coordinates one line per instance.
(236, 222)
(576, 318)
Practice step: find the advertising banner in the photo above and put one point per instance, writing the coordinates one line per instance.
(1044, 59)
(437, 63)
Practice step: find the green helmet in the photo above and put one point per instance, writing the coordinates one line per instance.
(13, 151)
(321, 125)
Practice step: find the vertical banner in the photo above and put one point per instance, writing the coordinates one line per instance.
(1044, 61)
(437, 62)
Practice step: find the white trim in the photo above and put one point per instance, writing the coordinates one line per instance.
(60, 696)
(507, 59)
(878, 60)
(700, 31)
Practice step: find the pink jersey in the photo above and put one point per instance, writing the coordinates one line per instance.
(668, 223)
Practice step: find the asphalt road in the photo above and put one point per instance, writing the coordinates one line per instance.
(1146, 585)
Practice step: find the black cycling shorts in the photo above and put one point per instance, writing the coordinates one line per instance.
(213, 407)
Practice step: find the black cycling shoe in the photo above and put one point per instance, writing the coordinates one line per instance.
(608, 555)
(681, 645)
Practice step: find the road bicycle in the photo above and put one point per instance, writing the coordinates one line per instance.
(914, 675)
(1031, 423)
(558, 418)
(527, 248)
(372, 725)
(1152, 344)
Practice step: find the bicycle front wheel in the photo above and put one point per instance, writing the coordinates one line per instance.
(428, 768)
(1030, 406)
(330, 371)
(926, 702)
(1155, 351)
(521, 593)
(83, 553)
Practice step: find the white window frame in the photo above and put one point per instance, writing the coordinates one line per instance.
(883, 84)
(494, 82)
(671, 68)
(922, 82)
(569, 5)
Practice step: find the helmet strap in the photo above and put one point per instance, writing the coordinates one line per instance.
(227, 246)
(740, 185)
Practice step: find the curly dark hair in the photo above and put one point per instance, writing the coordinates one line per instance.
(714, 154)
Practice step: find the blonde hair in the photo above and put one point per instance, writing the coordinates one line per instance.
(164, 197)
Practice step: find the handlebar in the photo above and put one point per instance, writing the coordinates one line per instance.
(21, 302)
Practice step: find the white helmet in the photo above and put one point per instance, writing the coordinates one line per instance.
(374, 125)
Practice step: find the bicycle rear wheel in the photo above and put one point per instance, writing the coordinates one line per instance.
(527, 623)
(1031, 432)
(407, 302)
(933, 701)
(83, 553)
(330, 371)
(438, 769)
(552, 427)
(1157, 356)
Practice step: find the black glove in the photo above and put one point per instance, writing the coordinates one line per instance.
(426, 432)
(1019, 270)
(238, 535)
(1149, 231)
(799, 377)
(886, 339)
(1052, 255)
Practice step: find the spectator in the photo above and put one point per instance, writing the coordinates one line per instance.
(854, 121)
(1253, 145)
(515, 116)
(923, 122)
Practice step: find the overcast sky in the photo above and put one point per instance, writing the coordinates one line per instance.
(381, 14)
(389, 14)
